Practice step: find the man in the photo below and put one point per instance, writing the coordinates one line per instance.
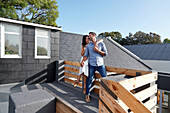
(94, 53)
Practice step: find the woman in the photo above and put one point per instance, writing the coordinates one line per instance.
(83, 71)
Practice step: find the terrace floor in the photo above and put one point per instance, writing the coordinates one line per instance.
(65, 91)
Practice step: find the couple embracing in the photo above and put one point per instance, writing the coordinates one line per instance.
(92, 60)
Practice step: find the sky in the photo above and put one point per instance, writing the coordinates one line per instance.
(124, 16)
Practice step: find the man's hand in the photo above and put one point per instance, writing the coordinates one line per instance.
(96, 48)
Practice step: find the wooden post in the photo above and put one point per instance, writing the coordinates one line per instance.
(168, 100)
(59, 70)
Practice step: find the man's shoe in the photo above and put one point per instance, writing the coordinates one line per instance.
(87, 98)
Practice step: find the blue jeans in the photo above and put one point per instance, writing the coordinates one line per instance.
(92, 69)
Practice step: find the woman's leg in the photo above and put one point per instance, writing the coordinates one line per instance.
(84, 89)
(78, 80)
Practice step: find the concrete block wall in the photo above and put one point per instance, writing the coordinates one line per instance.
(18, 69)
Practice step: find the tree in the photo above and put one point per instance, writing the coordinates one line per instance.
(115, 35)
(143, 38)
(166, 40)
(37, 11)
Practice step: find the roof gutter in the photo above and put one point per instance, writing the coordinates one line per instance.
(28, 23)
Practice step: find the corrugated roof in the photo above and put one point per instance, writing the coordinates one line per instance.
(151, 51)
(118, 56)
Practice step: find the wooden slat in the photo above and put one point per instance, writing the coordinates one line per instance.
(96, 90)
(134, 104)
(97, 83)
(97, 75)
(72, 63)
(136, 82)
(102, 108)
(158, 96)
(125, 71)
(71, 69)
(114, 69)
(71, 75)
(110, 101)
(151, 103)
(144, 94)
(71, 81)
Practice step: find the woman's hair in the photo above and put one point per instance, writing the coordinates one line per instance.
(84, 40)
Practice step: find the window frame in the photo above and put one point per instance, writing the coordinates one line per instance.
(49, 44)
(3, 32)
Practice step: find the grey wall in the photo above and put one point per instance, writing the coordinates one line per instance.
(17, 70)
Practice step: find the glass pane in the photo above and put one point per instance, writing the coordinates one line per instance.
(42, 46)
(11, 44)
(42, 32)
(11, 28)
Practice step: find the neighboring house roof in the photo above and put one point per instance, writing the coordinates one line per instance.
(151, 51)
(28, 23)
(118, 56)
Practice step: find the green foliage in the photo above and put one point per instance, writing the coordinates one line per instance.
(114, 35)
(11, 49)
(41, 51)
(142, 38)
(38, 11)
(166, 40)
(138, 38)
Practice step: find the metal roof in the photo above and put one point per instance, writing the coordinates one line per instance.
(151, 51)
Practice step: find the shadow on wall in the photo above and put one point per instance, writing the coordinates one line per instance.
(45, 76)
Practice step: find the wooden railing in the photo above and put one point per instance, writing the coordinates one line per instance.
(71, 71)
(136, 93)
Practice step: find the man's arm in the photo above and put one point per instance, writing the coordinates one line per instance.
(103, 52)
(100, 52)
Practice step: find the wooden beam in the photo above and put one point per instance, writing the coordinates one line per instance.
(151, 103)
(133, 104)
(96, 90)
(72, 81)
(114, 69)
(75, 70)
(136, 82)
(102, 108)
(72, 63)
(97, 75)
(97, 83)
(71, 75)
(110, 101)
(125, 71)
(144, 94)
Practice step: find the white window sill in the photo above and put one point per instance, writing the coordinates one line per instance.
(11, 56)
(42, 57)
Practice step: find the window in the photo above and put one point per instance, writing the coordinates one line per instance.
(10, 40)
(42, 43)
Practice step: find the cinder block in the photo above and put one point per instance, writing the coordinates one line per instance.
(34, 101)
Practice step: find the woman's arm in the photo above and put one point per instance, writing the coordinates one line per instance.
(82, 51)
